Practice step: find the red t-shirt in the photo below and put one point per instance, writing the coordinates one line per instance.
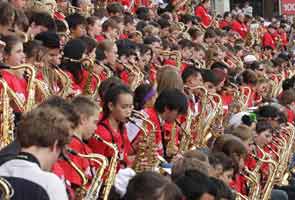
(203, 14)
(17, 84)
(240, 28)
(268, 40)
(107, 133)
(223, 23)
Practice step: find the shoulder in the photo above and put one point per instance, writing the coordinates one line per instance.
(54, 186)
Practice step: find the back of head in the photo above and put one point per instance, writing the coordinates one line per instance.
(178, 104)
(43, 127)
(145, 186)
(169, 78)
(193, 184)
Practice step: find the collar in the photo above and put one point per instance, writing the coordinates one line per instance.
(28, 157)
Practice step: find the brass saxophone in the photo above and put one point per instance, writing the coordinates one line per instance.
(106, 69)
(7, 117)
(146, 158)
(176, 54)
(6, 189)
(112, 167)
(186, 137)
(92, 193)
(171, 148)
(31, 73)
(89, 66)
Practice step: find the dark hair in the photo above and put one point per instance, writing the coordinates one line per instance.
(288, 83)
(89, 42)
(262, 126)
(164, 23)
(226, 14)
(150, 184)
(219, 158)
(164, 100)
(73, 52)
(49, 39)
(43, 19)
(112, 96)
(126, 48)
(219, 65)
(185, 43)
(267, 111)
(140, 94)
(190, 71)
(75, 20)
(128, 19)
(150, 40)
(222, 190)
(109, 23)
(115, 8)
(194, 184)
(287, 97)
(107, 84)
(143, 13)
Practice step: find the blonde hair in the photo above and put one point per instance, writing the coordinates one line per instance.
(169, 78)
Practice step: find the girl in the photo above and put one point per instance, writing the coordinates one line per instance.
(117, 108)
(14, 56)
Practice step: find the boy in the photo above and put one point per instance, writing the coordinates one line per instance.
(88, 112)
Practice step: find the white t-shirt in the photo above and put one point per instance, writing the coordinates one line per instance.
(54, 187)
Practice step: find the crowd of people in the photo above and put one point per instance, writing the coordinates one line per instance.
(145, 100)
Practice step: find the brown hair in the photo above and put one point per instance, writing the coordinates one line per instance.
(243, 132)
(287, 97)
(42, 127)
(192, 160)
(110, 23)
(8, 14)
(106, 45)
(85, 106)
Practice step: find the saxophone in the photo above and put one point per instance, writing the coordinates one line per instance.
(31, 74)
(186, 137)
(171, 146)
(88, 65)
(6, 189)
(92, 193)
(7, 117)
(146, 158)
(112, 167)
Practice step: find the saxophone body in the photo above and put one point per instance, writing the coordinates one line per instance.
(6, 189)
(93, 191)
(171, 149)
(112, 167)
(6, 116)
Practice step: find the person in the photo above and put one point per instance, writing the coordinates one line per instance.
(201, 11)
(164, 112)
(77, 25)
(239, 26)
(14, 56)
(42, 134)
(88, 113)
(196, 185)
(225, 23)
(268, 40)
(117, 108)
(153, 187)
